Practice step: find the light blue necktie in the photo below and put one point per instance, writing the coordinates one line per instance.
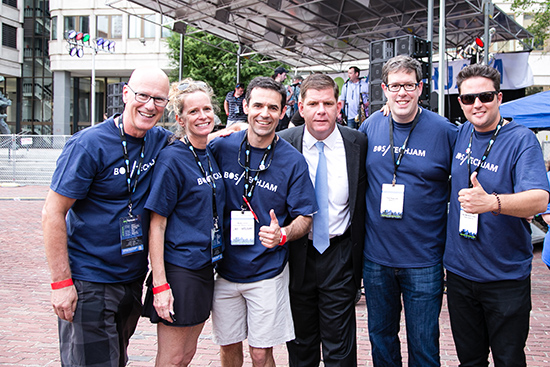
(321, 239)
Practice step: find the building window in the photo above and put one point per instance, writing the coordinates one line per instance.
(142, 27)
(77, 23)
(54, 28)
(109, 26)
(10, 3)
(9, 36)
(166, 30)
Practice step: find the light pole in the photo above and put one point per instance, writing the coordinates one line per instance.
(76, 42)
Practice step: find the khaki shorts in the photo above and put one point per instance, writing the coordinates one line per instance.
(258, 310)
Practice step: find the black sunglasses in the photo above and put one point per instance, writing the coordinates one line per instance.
(484, 97)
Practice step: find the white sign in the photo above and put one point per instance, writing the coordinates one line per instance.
(514, 69)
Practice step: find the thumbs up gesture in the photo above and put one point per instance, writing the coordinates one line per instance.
(475, 200)
(270, 235)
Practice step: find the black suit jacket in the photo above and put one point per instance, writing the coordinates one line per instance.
(355, 144)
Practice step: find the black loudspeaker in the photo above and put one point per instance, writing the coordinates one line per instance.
(412, 46)
(382, 50)
(375, 106)
(376, 70)
(115, 103)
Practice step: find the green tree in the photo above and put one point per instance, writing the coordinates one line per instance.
(216, 66)
(540, 9)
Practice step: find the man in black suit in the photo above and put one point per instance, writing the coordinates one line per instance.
(326, 265)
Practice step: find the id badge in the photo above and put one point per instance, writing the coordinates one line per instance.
(467, 225)
(131, 235)
(242, 228)
(391, 203)
(216, 244)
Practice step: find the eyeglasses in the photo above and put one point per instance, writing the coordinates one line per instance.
(409, 87)
(144, 98)
(184, 86)
(484, 97)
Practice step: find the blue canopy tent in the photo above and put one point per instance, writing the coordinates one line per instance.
(532, 111)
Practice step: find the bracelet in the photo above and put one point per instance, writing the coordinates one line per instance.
(499, 205)
(161, 288)
(282, 239)
(62, 284)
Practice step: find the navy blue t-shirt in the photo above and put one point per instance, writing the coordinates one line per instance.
(417, 240)
(502, 250)
(285, 187)
(91, 170)
(180, 193)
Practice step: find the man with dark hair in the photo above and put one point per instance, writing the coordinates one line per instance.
(355, 96)
(233, 105)
(498, 180)
(95, 225)
(325, 266)
(408, 166)
(270, 200)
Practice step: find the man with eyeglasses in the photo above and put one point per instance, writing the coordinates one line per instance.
(498, 180)
(408, 165)
(270, 200)
(95, 225)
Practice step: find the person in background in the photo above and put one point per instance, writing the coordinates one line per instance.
(187, 202)
(408, 165)
(498, 180)
(354, 93)
(96, 227)
(270, 200)
(325, 266)
(293, 92)
(279, 75)
(233, 105)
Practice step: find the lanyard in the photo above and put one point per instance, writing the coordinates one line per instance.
(487, 150)
(249, 186)
(211, 182)
(127, 162)
(402, 149)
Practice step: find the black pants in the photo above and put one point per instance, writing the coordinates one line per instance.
(491, 316)
(323, 310)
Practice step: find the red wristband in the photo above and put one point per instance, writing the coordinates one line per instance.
(62, 284)
(282, 239)
(161, 288)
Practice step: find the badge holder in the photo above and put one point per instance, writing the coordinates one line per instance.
(131, 235)
(242, 228)
(216, 243)
(467, 226)
(391, 203)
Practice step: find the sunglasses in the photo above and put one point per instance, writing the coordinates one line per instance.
(484, 97)
(184, 86)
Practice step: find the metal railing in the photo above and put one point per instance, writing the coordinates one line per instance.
(29, 159)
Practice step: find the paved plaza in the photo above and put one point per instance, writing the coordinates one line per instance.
(28, 326)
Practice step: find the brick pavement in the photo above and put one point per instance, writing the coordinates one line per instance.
(28, 328)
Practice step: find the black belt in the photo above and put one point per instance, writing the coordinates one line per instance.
(336, 240)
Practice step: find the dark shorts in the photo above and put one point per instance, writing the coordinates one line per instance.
(193, 291)
(105, 318)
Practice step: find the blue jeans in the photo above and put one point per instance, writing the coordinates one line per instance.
(352, 123)
(422, 290)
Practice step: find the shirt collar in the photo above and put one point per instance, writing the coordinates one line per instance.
(330, 141)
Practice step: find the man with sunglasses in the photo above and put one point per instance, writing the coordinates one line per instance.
(270, 200)
(408, 165)
(498, 180)
(95, 225)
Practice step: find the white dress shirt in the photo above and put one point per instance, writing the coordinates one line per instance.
(337, 173)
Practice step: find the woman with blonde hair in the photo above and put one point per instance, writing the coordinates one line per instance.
(186, 202)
